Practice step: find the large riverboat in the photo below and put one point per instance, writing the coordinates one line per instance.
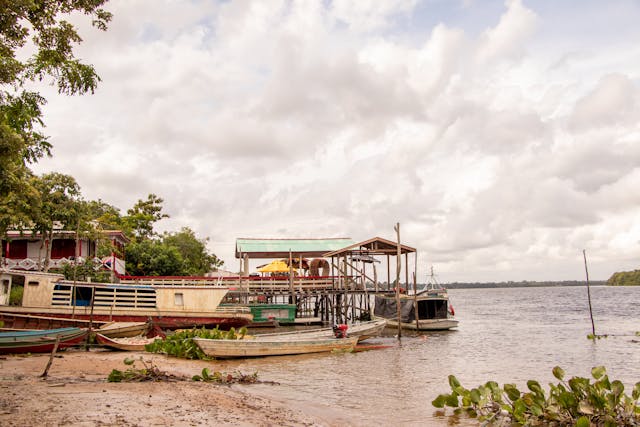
(167, 306)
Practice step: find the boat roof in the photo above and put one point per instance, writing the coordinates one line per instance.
(373, 246)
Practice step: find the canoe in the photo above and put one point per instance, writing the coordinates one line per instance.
(124, 329)
(261, 348)
(362, 331)
(124, 343)
(41, 341)
(15, 321)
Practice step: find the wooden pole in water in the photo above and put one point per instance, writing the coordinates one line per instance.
(398, 264)
(53, 353)
(593, 326)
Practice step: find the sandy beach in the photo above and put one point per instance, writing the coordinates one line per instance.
(76, 392)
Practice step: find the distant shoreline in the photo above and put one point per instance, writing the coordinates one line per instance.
(523, 284)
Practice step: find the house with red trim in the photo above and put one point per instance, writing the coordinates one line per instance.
(24, 250)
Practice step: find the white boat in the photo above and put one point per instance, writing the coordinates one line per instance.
(167, 306)
(361, 330)
(276, 347)
(434, 311)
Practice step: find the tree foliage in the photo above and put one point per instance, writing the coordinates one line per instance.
(36, 44)
(141, 218)
(625, 278)
(195, 258)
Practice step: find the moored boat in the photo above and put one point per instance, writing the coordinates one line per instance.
(40, 341)
(428, 310)
(221, 348)
(15, 321)
(361, 330)
(124, 329)
(124, 343)
(167, 306)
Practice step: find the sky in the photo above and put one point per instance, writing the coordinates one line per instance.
(503, 136)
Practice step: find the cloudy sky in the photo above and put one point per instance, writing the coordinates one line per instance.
(504, 136)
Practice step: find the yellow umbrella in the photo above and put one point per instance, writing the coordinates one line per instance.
(277, 266)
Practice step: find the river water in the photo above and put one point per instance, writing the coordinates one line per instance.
(506, 335)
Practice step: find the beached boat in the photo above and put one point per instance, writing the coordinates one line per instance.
(124, 329)
(167, 306)
(434, 311)
(15, 321)
(361, 330)
(40, 341)
(260, 348)
(125, 343)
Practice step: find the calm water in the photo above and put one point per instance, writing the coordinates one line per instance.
(507, 335)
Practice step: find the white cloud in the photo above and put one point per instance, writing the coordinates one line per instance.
(502, 154)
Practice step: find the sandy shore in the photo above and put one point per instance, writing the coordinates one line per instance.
(77, 393)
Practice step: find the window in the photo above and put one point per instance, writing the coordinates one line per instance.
(179, 299)
(33, 283)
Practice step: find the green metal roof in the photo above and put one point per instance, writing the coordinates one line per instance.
(279, 248)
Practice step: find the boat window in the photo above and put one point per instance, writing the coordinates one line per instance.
(33, 283)
(179, 299)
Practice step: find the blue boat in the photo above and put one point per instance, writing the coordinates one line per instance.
(41, 341)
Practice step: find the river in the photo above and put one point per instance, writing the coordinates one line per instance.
(507, 335)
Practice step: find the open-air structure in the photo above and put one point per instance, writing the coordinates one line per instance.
(336, 285)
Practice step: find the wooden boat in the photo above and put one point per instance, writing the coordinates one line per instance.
(261, 348)
(361, 330)
(124, 329)
(168, 306)
(15, 321)
(124, 343)
(432, 305)
(40, 341)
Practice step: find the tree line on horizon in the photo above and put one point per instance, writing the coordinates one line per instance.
(37, 44)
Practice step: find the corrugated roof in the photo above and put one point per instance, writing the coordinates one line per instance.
(278, 248)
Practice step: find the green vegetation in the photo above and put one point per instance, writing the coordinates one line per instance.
(148, 372)
(225, 377)
(625, 278)
(15, 296)
(574, 402)
(182, 345)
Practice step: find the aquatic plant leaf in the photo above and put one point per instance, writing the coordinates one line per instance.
(512, 391)
(598, 371)
(452, 400)
(453, 382)
(558, 372)
(439, 401)
(534, 386)
(128, 361)
(583, 422)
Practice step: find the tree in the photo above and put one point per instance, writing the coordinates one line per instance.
(153, 258)
(141, 218)
(52, 39)
(59, 206)
(195, 258)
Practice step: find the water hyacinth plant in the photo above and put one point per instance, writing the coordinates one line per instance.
(577, 401)
(182, 345)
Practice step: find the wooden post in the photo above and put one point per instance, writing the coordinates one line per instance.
(53, 353)
(593, 326)
(398, 265)
(93, 298)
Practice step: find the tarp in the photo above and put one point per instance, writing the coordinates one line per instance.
(386, 307)
(278, 266)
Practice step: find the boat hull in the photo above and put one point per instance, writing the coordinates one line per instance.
(426, 324)
(362, 331)
(16, 321)
(260, 348)
(40, 341)
(164, 320)
(124, 343)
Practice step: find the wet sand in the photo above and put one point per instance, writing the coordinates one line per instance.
(76, 392)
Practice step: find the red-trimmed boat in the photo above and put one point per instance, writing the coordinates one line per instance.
(40, 341)
(166, 306)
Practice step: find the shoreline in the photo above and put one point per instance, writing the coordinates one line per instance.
(76, 392)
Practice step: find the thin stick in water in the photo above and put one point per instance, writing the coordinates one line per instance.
(593, 326)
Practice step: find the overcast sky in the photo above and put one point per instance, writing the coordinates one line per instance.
(504, 137)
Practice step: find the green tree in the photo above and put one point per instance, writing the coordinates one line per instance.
(36, 44)
(153, 258)
(141, 218)
(59, 206)
(196, 260)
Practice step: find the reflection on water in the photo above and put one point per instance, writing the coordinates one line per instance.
(506, 335)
